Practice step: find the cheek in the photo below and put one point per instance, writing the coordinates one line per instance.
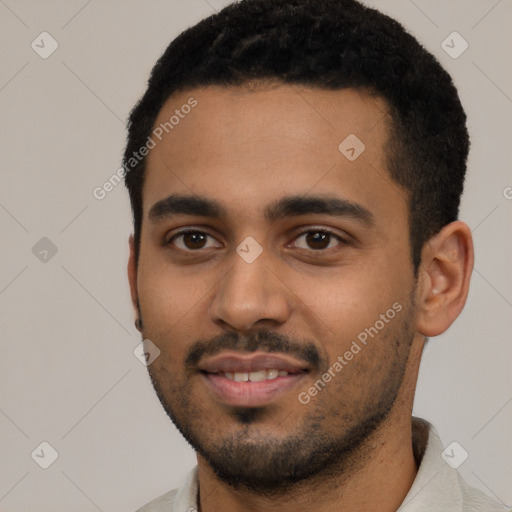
(165, 296)
(169, 311)
(365, 366)
(343, 305)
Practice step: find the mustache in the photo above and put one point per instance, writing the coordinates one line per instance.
(262, 340)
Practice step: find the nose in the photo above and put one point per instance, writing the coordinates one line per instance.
(250, 295)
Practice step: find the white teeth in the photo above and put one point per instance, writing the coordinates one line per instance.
(272, 374)
(257, 376)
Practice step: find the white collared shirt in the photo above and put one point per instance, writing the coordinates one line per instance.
(437, 486)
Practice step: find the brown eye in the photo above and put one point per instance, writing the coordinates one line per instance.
(317, 240)
(192, 240)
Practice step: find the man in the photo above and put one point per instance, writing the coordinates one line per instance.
(295, 170)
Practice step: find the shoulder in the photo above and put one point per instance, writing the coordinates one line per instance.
(183, 499)
(476, 501)
(439, 486)
(163, 503)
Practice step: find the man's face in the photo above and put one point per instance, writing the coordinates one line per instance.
(333, 278)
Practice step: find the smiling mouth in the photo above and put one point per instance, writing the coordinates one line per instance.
(251, 380)
(257, 376)
(257, 366)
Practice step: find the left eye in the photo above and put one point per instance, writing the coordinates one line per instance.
(192, 240)
(317, 240)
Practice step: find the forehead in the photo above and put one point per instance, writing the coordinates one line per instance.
(246, 146)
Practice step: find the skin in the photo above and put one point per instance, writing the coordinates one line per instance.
(246, 148)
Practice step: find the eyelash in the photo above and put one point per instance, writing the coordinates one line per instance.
(169, 241)
(341, 240)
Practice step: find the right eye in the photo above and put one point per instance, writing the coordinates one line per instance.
(191, 240)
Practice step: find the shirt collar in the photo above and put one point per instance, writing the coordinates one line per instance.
(436, 486)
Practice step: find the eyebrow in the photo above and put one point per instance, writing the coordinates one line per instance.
(327, 205)
(186, 205)
(289, 206)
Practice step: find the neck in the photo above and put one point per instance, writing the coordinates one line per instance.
(378, 477)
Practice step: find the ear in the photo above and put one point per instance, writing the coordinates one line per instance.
(447, 263)
(132, 279)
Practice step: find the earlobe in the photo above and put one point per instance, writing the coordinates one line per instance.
(132, 279)
(447, 263)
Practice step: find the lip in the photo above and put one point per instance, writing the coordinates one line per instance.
(250, 394)
(237, 362)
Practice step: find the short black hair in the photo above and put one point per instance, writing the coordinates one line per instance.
(326, 44)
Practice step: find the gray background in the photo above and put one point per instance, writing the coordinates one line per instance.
(68, 373)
